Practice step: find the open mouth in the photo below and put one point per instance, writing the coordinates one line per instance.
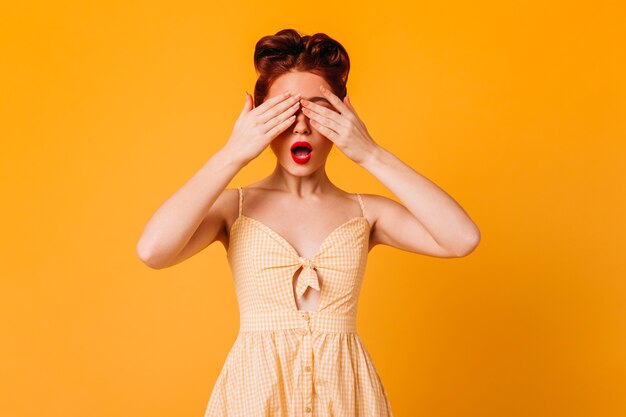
(301, 149)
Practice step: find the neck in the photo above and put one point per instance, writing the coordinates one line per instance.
(302, 185)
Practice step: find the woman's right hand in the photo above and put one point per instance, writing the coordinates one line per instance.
(256, 127)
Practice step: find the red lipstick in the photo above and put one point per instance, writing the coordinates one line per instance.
(301, 152)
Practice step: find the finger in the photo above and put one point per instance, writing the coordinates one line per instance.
(281, 127)
(324, 111)
(325, 121)
(329, 133)
(334, 100)
(267, 104)
(280, 108)
(282, 116)
(347, 102)
(248, 105)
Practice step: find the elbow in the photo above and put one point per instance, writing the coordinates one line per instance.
(148, 257)
(470, 243)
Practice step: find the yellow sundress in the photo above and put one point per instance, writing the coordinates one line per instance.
(287, 362)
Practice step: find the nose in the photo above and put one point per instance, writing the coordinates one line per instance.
(301, 124)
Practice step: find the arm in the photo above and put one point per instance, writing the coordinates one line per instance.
(175, 222)
(194, 216)
(428, 221)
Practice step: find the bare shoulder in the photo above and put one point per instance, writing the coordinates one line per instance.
(394, 225)
(225, 211)
(212, 227)
(374, 205)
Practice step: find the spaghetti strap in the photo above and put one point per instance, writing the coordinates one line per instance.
(361, 203)
(240, 199)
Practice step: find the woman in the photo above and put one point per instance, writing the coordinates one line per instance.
(296, 243)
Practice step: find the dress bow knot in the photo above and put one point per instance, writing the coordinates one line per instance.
(308, 276)
(306, 262)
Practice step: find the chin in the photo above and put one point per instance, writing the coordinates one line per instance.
(299, 170)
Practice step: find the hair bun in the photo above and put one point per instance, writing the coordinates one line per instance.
(283, 46)
(287, 50)
(324, 50)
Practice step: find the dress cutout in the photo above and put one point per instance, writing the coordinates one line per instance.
(287, 362)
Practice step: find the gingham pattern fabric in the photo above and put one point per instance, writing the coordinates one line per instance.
(289, 362)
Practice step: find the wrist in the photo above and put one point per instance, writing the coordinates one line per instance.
(373, 157)
(229, 158)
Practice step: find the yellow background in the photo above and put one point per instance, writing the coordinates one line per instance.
(515, 109)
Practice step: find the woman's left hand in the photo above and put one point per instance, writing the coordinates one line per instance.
(343, 127)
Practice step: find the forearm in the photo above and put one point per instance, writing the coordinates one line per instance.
(440, 214)
(176, 220)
